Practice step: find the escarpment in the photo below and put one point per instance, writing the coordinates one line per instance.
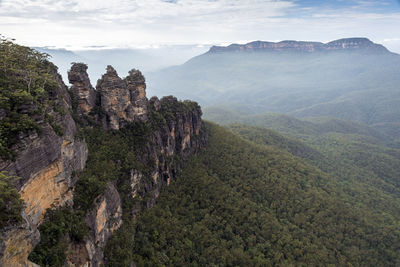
(46, 162)
(112, 139)
(157, 135)
(346, 44)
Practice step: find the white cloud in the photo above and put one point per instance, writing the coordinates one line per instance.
(119, 23)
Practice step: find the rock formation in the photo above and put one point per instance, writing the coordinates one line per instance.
(103, 220)
(123, 101)
(49, 163)
(178, 137)
(347, 44)
(45, 163)
(82, 88)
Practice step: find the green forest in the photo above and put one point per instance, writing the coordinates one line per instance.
(27, 83)
(244, 204)
(268, 190)
(27, 86)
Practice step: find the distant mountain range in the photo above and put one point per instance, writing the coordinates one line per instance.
(351, 79)
(349, 44)
(109, 177)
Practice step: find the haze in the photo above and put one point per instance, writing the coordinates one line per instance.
(78, 24)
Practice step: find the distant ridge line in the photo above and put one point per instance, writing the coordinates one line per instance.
(346, 44)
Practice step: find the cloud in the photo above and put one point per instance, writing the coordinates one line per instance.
(121, 23)
(148, 19)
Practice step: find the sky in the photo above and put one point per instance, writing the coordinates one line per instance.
(79, 24)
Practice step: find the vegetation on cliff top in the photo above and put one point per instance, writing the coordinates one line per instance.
(112, 156)
(27, 81)
(261, 199)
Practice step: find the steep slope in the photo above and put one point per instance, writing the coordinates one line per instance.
(241, 204)
(78, 168)
(351, 79)
(78, 165)
(37, 143)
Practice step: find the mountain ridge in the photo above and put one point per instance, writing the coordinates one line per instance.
(344, 44)
(358, 84)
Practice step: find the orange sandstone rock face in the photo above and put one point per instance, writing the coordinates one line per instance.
(43, 191)
(45, 162)
(101, 219)
(50, 187)
(17, 245)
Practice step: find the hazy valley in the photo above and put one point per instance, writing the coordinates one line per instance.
(302, 170)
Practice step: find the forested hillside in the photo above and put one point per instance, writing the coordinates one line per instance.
(296, 127)
(345, 149)
(246, 204)
(108, 177)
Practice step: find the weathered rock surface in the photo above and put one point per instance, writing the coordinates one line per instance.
(103, 220)
(167, 148)
(171, 146)
(123, 101)
(347, 44)
(82, 88)
(46, 163)
(136, 85)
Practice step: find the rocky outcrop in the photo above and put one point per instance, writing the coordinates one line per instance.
(122, 100)
(103, 220)
(355, 44)
(136, 85)
(82, 88)
(347, 44)
(46, 163)
(164, 153)
(170, 146)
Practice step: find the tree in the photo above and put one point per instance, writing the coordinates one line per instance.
(11, 204)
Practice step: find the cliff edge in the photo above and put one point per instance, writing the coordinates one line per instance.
(58, 156)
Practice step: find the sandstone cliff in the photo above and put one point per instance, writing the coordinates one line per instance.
(174, 133)
(50, 163)
(46, 162)
(103, 220)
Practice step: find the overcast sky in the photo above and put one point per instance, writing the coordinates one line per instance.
(74, 24)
